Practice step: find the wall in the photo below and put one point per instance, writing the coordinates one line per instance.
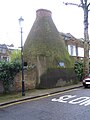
(30, 81)
(58, 77)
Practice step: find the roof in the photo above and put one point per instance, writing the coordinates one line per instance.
(67, 35)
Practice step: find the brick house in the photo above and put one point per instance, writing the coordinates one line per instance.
(74, 46)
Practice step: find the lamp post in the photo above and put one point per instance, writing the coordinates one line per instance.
(22, 59)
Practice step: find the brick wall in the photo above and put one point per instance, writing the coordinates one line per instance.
(30, 81)
(29, 77)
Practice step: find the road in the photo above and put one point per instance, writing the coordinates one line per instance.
(68, 105)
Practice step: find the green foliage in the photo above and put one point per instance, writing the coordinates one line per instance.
(15, 55)
(78, 67)
(8, 70)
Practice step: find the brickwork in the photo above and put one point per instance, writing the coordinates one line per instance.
(43, 12)
(30, 81)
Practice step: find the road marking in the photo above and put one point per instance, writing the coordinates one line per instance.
(73, 99)
(63, 98)
(34, 99)
(79, 100)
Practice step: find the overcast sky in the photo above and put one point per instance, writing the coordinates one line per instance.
(68, 19)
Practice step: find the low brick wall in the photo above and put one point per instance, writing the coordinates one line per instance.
(50, 79)
(30, 81)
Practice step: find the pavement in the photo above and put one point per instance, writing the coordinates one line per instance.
(42, 92)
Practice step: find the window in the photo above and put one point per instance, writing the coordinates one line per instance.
(3, 50)
(61, 64)
(72, 50)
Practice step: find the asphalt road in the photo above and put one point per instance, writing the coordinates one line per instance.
(69, 105)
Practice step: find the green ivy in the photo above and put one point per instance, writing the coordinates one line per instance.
(78, 67)
(8, 70)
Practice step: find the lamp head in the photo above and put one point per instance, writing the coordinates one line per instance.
(21, 21)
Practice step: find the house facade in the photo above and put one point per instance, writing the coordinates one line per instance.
(5, 51)
(74, 46)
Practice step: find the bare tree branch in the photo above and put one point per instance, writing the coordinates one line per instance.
(88, 4)
(82, 2)
(85, 2)
(79, 5)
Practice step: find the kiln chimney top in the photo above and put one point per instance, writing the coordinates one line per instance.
(43, 12)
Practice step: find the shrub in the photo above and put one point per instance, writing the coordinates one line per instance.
(8, 70)
(78, 67)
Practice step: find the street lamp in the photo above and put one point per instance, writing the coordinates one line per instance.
(22, 59)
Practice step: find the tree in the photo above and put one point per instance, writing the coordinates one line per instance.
(84, 4)
(15, 56)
